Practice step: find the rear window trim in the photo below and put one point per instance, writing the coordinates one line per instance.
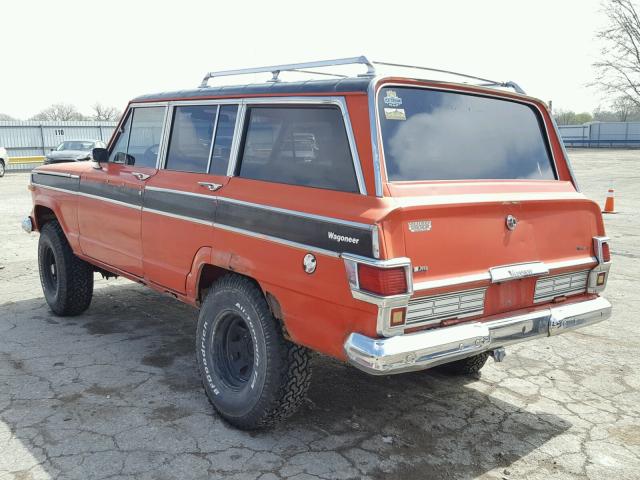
(534, 106)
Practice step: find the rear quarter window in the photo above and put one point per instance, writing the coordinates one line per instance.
(440, 135)
(306, 146)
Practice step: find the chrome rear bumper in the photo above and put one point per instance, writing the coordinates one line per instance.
(417, 351)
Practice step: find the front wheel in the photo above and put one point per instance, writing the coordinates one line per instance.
(251, 374)
(1, 168)
(67, 281)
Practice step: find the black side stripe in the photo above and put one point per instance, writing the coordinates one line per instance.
(184, 205)
(119, 193)
(55, 181)
(325, 234)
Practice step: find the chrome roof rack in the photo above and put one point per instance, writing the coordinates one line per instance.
(361, 60)
(487, 82)
(293, 67)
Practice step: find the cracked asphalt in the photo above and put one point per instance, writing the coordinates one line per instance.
(114, 393)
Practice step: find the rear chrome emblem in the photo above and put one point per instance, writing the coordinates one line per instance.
(309, 263)
(512, 222)
(420, 226)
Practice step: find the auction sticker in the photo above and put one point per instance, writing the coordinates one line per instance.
(392, 99)
(394, 114)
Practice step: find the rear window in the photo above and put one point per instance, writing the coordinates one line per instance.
(436, 135)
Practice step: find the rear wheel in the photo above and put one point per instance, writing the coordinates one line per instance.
(1, 168)
(466, 366)
(251, 374)
(67, 281)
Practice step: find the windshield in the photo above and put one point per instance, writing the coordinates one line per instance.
(75, 145)
(437, 135)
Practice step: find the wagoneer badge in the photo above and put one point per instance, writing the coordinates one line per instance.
(512, 222)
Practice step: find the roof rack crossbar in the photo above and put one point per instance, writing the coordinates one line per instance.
(276, 69)
(488, 83)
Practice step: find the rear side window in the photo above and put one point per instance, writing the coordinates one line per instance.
(305, 146)
(190, 141)
(436, 135)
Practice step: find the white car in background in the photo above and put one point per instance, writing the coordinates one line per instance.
(4, 160)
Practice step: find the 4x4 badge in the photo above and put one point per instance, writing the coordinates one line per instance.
(512, 222)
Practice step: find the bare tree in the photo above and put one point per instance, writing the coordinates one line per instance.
(623, 108)
(104, 113)
(618, 72)
(62, 112)
(5, 117)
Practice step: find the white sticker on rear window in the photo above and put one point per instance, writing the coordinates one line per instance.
(392, 99)
(394, 114)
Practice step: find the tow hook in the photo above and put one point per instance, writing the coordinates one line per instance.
(498, 354)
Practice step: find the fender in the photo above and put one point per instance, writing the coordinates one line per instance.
(65, 211)
(200, 259)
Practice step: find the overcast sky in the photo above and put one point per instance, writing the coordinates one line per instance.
(81, 52)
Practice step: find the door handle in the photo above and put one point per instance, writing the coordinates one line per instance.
(210, 185)
(140, 176)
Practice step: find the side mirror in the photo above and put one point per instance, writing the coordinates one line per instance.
(100, 155)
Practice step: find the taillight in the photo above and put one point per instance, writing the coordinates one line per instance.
(606, 253)
(382, 281)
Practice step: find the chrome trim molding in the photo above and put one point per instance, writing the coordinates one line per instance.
(485, 276)
(179, 217)
(62, 190)
(56, 174)
(571, 263)
(597, 247)
(429, 348)
(109, 200)
(181, 192)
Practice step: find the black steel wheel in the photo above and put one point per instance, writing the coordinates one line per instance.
(67, 281)
(233, 348)
(252, 375)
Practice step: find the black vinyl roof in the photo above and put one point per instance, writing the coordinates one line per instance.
(351, 84)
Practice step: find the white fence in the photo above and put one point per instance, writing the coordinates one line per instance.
(602, 134)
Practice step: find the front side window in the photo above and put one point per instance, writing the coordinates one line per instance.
(437, 135)
(190, 141)
(144, 141)
(119, 151)
(305, 146)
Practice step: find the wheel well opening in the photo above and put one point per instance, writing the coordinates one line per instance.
(43, 215)
(208, 275)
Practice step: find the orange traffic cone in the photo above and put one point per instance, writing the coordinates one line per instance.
(608, 204)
